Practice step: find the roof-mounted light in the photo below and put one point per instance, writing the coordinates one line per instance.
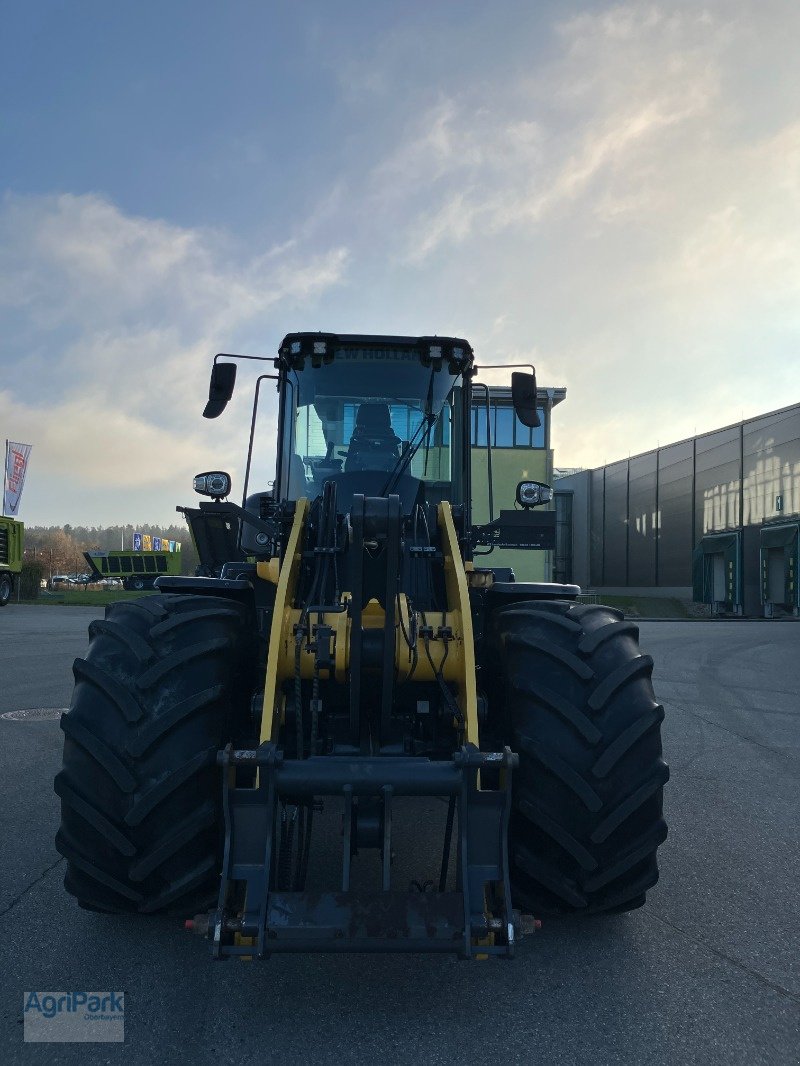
(432, 355)
(438, 351)
(318, 347)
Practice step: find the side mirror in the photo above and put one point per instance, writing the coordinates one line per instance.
(523, 394)
(533, 494)
(220, 389)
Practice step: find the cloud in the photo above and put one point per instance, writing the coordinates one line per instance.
(81, 260)
(628, 205)
(613, 195)
(594, 122)
(111, 323)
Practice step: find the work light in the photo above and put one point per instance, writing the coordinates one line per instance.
(533, 493)
(215, 483)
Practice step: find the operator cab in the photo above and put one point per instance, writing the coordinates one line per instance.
(375, 415)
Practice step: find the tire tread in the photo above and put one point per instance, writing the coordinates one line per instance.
(577, 703)
(167, 681)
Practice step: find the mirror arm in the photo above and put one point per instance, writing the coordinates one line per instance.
(255, 358)
(262, 377)
(507, 366)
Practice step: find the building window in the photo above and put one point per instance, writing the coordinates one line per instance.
(506, 429)
(479, 425)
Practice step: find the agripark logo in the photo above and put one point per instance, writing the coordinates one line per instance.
(74, 1017)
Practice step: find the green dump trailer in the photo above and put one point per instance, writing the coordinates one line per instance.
(11, 535)
(136, 569)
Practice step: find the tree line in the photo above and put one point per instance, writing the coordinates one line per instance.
(60, 548)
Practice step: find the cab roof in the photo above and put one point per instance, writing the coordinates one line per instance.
(451, 349)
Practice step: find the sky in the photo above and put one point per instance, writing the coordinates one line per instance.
(611, 191)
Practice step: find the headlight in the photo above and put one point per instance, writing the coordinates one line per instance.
(215, 483)
(533, 493)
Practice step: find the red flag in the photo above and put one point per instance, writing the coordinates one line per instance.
(17, 456)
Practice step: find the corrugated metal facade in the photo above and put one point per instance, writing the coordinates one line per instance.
(647, 517)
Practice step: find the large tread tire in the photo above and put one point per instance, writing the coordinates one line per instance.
(576, 701)
(166, 683)
(6, 588)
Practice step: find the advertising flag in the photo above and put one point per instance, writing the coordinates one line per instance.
(172, 546)
(147, 542)
(17, 456)
(137, 542)
(156, 544)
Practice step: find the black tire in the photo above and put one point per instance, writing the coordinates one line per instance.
(6, 588)
(167, 681)
(578, 705)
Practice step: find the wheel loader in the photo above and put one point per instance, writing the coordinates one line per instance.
(350, 664)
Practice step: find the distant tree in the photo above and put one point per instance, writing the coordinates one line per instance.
(58, 550)
(65, 545)
(31, 578)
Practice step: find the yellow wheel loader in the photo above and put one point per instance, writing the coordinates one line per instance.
(346, 650)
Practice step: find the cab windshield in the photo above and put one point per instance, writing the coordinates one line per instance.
(370, 420)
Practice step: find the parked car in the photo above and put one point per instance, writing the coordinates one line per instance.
(58, 581)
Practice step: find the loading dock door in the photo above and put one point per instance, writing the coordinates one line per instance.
(780, 560)
(776, 580)
(717, 561)
(716, 570)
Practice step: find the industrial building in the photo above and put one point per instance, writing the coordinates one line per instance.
(518, 453)
(715, 518)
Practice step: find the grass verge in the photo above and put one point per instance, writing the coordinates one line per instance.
(85, 597)
(651, 607)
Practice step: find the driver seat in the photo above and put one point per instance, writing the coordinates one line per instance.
(374, 444)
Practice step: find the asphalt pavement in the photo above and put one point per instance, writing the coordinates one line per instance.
(707, 972)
